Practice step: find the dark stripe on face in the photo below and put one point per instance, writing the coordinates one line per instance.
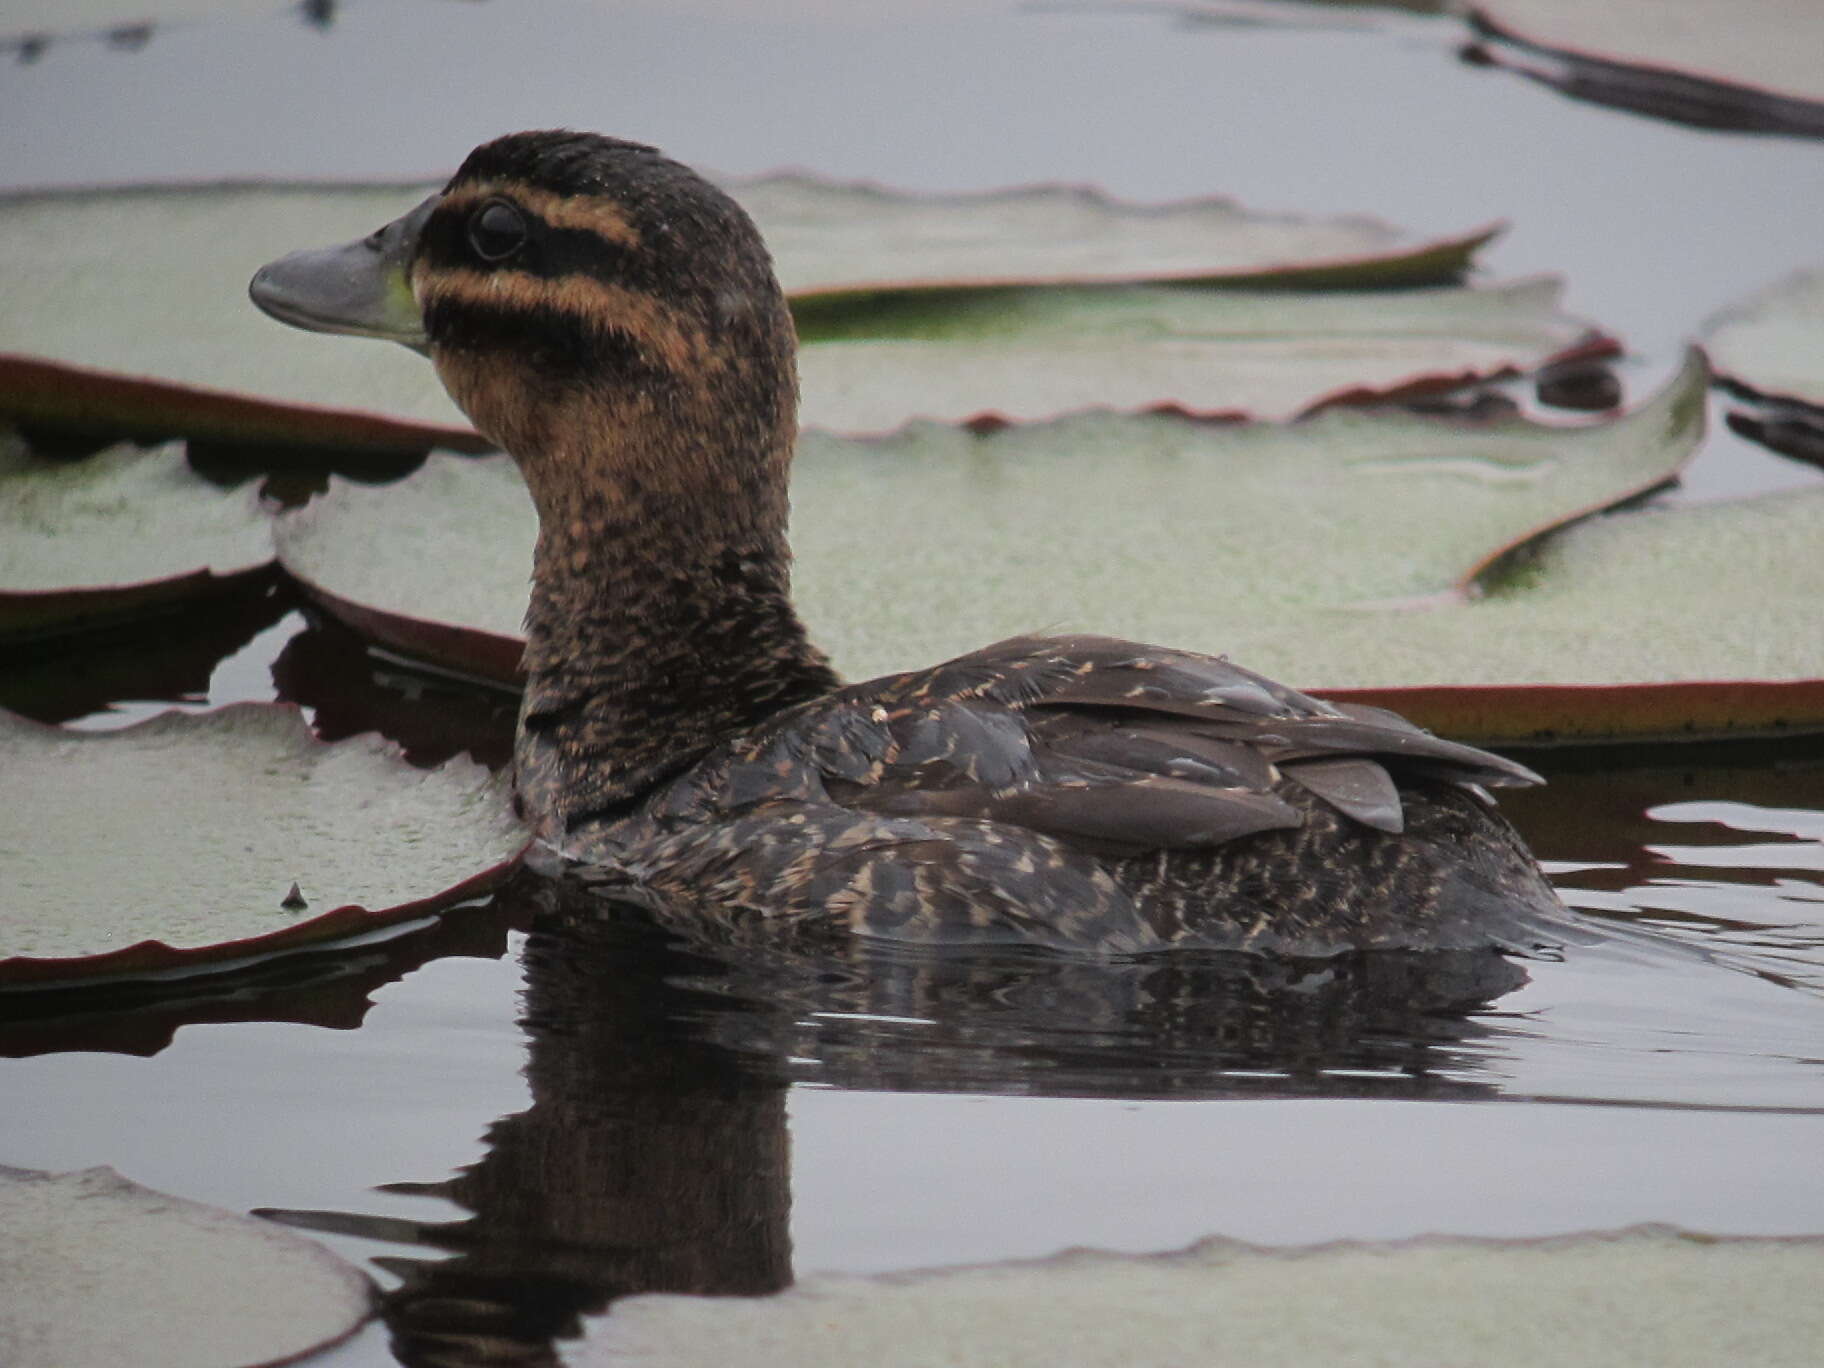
(553, 342)
(549, 253)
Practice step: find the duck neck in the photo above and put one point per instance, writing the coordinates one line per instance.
(661, 621)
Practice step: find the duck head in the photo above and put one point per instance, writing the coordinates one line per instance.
(603, 313)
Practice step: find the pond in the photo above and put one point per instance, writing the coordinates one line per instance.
(515, 1114)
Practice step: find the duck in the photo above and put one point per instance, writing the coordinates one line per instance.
(610, 318)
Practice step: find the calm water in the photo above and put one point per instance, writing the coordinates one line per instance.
(533, 1107)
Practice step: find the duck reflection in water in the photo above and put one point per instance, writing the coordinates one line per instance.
(655, 1155)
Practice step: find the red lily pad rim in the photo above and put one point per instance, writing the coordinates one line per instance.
(149, 957)
(1694, 370)
(1484, 25)
(338, 928)
(1593, 345)
(1584, 714)
(1430, 259)
(28, 614)
(469, 651)
(33, 387)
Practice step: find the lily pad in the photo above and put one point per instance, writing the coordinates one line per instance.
(1030, 353)
(1748, 65)
(371, 555)
(1651, 1294)
(328, 987)
(848, 239)
(97, 1271)
(281, 840)
(1772, 343)
(1662, 622)
(1206, 537)
(139, 297)
(1220, 538)
(127, 309)
(115, 534)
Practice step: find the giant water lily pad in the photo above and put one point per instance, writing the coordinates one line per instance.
(922, 547)
(1738, 64)
(375, 556)
(115, 534)
(848, 239)
(123, 288)
(97, 1271)
(1335, 553)
(280, 840)
(1660, 622)
(1608, 1299)
(1772, 343)
(1031, 353)
(128, 307)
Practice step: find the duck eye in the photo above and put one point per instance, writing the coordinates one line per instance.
(496, 231)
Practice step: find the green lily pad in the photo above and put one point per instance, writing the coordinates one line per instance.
(1206, 537)
(1748, 65)
(1219, 538)
(371, 555)
(130, 292)
(117, 533)
(849, 239)
(280, 841)
(1772, 343)
(127, 308)
(97, 1271)
(1661, 622)
(1024, 354)
(1650, 1294)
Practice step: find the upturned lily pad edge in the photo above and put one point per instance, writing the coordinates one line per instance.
(1671, 711)
(1594, 345)
(335, 928)
(1683, 398)
(1431, 261)
(471, 652)
(32, 614)
(36, 389)
(1680, 95)
(151, 957)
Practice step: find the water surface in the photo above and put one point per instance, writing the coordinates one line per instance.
(534, 1107)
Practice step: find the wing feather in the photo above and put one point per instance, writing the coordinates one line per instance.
(1112, 745)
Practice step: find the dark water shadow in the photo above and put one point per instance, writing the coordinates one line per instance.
(655, 1154)
(164, 656)
(431, 716)
(332, 987)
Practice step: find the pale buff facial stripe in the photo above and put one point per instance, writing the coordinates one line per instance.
(677, 346)
(586, 214)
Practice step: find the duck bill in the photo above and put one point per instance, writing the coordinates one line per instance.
(362, 288)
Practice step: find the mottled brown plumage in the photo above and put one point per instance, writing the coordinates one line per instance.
(612, 320)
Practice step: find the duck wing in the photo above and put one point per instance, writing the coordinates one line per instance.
(1106, 744)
